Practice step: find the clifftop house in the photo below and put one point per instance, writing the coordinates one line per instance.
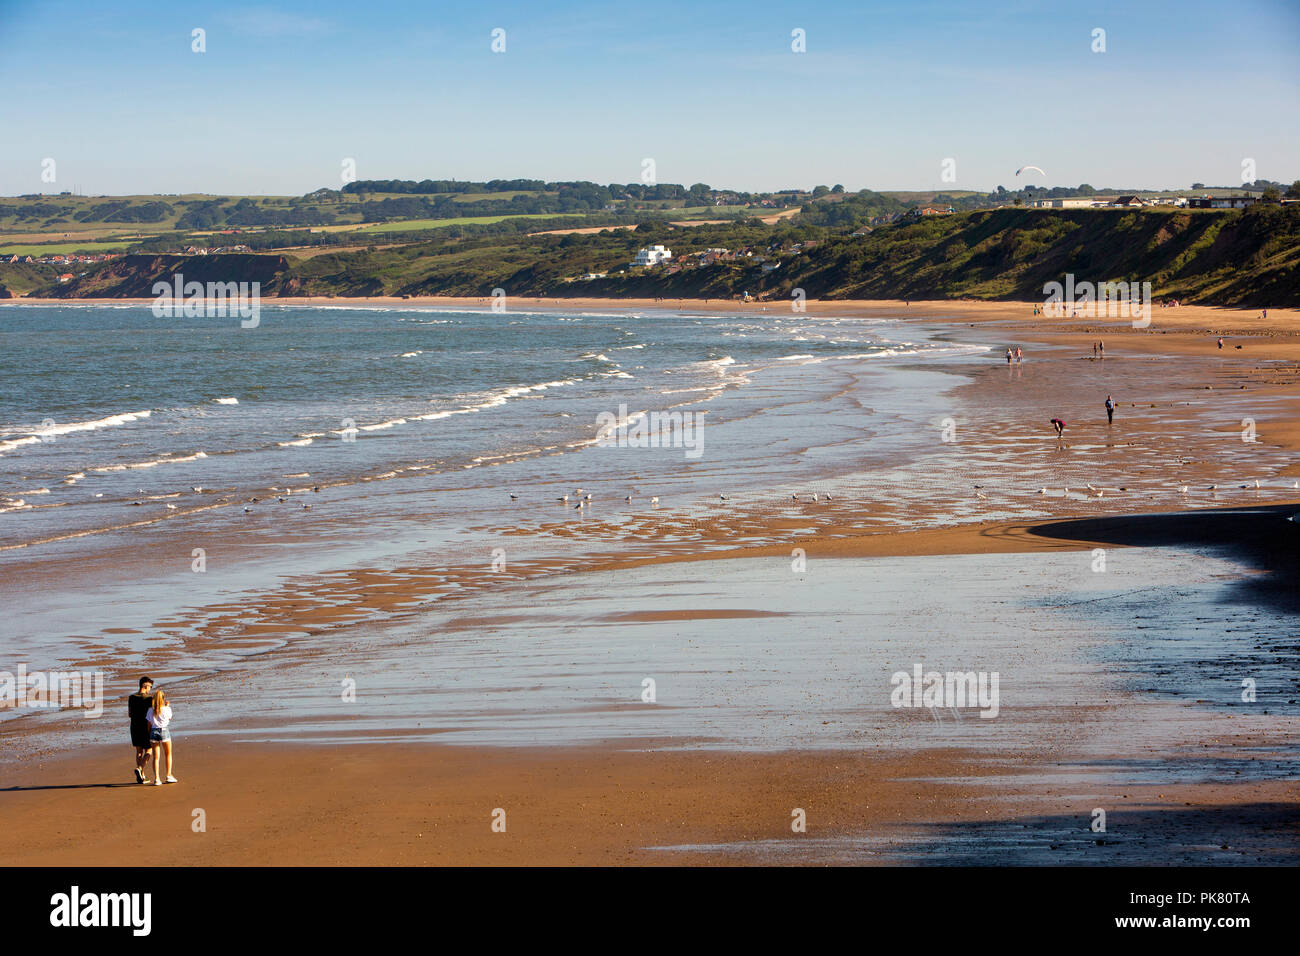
(652, 256)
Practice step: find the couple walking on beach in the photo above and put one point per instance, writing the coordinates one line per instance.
(150, 716)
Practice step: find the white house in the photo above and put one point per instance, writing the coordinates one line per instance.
(652, 256)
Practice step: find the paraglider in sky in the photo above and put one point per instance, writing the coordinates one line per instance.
(1034, 168)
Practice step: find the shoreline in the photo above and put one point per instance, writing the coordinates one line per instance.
(735, 807)
(1182, 317)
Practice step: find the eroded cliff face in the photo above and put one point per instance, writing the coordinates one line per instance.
(134, 276)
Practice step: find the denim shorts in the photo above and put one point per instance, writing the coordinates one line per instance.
(158, 734)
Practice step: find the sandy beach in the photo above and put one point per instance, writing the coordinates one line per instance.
(1001, 503)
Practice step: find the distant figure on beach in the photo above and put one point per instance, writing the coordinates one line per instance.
(1019, 355)
(1008, 355)
(1101, 349)
(1094, 349)
(137, 706)
(1110, 410)
(1220, 343)
(1059, 426)
(159, 716)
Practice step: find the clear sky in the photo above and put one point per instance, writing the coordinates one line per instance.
(1185, 91)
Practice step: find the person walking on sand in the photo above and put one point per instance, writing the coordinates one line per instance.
(1110, 410)
(1059, 426)
(137, 706)
(1101, 349)
(159, 716)
(1008, 355)
(1020, 356)
(1220, 343)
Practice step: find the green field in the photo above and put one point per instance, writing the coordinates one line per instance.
(410, 225)
(63, 248)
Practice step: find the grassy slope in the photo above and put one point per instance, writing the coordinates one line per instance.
(1247, 258)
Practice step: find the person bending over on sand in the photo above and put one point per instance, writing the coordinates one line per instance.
(1059, 426)
(1110, 410)
(137, 706)
(159, 716)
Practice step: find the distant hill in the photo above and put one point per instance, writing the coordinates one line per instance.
(1241, 258)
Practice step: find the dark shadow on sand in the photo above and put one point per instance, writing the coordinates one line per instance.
(1264, 537)
(1248, 834)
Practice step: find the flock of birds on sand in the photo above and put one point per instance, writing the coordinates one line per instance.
(584, 499)
(282, 497)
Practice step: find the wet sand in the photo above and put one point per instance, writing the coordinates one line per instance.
(1221, 795)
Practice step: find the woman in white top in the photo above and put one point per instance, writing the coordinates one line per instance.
(159, 716)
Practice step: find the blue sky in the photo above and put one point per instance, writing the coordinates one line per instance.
(712, 92)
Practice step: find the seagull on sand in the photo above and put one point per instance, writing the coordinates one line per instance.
(1183, 489)
(655, 501)
(562, 498)
(724, 497)
(306, 507)
(628, 498)
(514, 497)
(1042, 491)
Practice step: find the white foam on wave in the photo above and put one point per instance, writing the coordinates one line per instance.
(491, 400)
(410, 354)
(152, 463)
(382, 425)
(47, 432)
(226, 401)
(18, 443)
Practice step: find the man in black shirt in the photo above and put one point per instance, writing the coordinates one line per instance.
(137, 706)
